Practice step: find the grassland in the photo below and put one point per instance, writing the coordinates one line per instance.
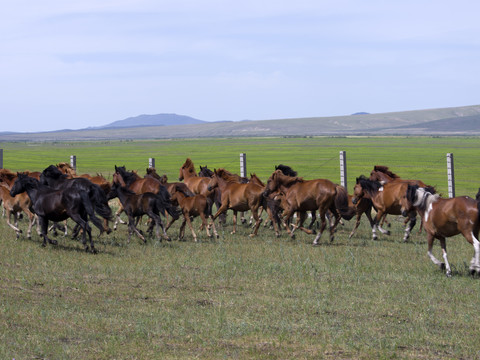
(237, 297)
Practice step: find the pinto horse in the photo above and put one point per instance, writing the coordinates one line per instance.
(237, 197)
(57, 205)
(444, 218)
(386, 200)
(192, 206)
(309, 195)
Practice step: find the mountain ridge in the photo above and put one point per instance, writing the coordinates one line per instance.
(460, 121)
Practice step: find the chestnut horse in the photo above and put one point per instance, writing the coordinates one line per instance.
(13, 206)
(386, 200)
(237, 197)
(444, 218)
(192, 206)
(309, 195)
(197, 184)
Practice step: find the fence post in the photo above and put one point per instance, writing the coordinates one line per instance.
(343, 169)
(243, 165)
(1, 158)
(151, 162)
(73, 162)
(450, 176)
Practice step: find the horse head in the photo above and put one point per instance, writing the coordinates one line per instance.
(213, 182)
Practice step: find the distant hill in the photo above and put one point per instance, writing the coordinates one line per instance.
(152, 120)
(459, 121)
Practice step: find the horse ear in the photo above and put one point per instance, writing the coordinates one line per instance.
(115, 168)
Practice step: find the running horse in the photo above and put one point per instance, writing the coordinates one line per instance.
(237, 197)
(57, 205)
(386, 199)
(310, 195)
(444, 218)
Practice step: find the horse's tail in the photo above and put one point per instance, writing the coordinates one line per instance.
(90, 210)
(163, 203)
(341, 203)
(100, 202)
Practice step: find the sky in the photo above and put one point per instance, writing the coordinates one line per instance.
(76, 64)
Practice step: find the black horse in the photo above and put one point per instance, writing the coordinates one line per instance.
(54, 178)
(148, 203)
(56, 205)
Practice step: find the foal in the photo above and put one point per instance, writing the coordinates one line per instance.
(13, 205)
(192, 206)
(147, 203)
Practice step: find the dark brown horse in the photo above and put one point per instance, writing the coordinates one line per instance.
(386, 200)
(444, 218)
(302, 195)
(237, 197)
(138, 185)
(192, 206)
(58, 205)
(147, 203)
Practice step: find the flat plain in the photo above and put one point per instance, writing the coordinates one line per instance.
(238, 297)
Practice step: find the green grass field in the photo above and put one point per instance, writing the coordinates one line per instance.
(238, 297)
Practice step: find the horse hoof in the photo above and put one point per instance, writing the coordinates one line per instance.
(449, 274)
(252, 235)
(54, 242)
(442, 266)
(388, 232)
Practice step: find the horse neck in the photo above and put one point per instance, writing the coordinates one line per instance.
(187, 174)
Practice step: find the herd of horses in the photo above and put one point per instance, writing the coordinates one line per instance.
(58, 193)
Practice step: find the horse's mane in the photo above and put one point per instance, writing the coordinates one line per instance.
(8, 174)
(370, 186)
(286, 170)
(153, 173)
(254, 176)
(386, 171)
(128, 176)
(227, 175)
(53, 172)
(188, 165)
(124, 188)
(289, 180)
(421, 197)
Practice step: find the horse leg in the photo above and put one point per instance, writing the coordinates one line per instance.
(443, 244)
(302, 215)
(189, 222)
(333, 228)
(410, 226)
(234, 222)
(274, 223)
(475, 262)
(212, 224)
(31, 220)
(44, 229)
(430, 240)
(357, 224)
(117, 217)
(133, 229)
(181, 234)
(8, 216)
(323, 225)
(258, 221)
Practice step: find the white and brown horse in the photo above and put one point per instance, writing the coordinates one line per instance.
(444, 218)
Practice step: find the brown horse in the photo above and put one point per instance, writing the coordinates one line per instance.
(172, 187)
(444, 218)
(386, 200)
(192, 206)
(309, 195)
(383, 174)
(137, 184)
(237, 197)
(196, 184)
(14, 205)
